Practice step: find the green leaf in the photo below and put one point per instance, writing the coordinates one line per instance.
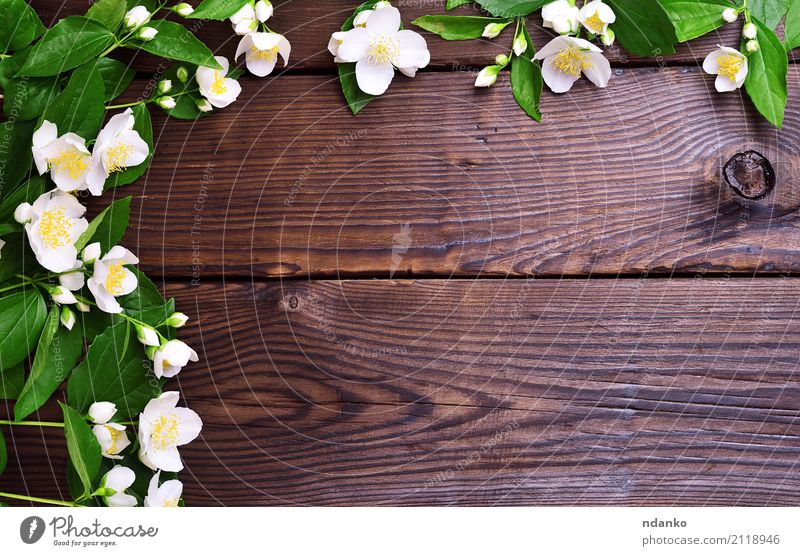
(116, 77)
(452, 4)
(511, 8)
(80, 107)
(11, 381)
(769, 12)
(146, 303)
(526, 79)
(3, 453)
(108, 227)
(185, 93)
(28, 97)
(643, 27)
(175, 42)
(695, 18)
(766, 76)
(69, 43)
(22, 316)
(143, 125)
(26, 192)
(84, 451)
(115, 370)
(19, 25)
(17, 255)
(56, 354)
(15, 158)
(217, 9)
(456, 27)
(791, 33)
(108, 12)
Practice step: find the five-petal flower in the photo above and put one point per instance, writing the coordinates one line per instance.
(162, 428)
(565, 58)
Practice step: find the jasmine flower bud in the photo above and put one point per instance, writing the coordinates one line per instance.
(487, 76)
(750, 31)
(67, 317)
(23, 213)
(147, 335)
(176, 320)
(146, 34)
(82, 307)
(90, 252)
(136, 16)
(167, 103)
(183, 9)
(165, 86)
(501, 60)
(183, 74)
(520, 45)
(494, 29)
(730, 15)
(203, 105)
(608, 37)
(752, 46)
(62, 295)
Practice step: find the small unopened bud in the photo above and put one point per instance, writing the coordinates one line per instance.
(23, 213)
(82, 307)
(176, 320)
(749, 31)
(487, 76)
(752, 46)
(203, 105)
(562, 25)
(245, 26)
(136, 16)
(67, 317)
(730, 15)
(91, 252)
(501, 60)
(183, 74)
(183, 9)
(607, 38)
(62, 296)
(167, 103)
(164, 86)
(263, 10)
(493, 29)
(520, 45)
(147, 335)
(146, 34)
(150, 351)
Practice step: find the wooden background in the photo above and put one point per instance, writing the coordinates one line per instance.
(442, 302)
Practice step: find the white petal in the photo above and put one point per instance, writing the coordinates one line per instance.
(355, 45)
(413, 49)
(724, 85)
(711, 63)
(558, 81)
(102, 412)
(384, 22)
(600, 71)
(374, 79)
(244, 46)
(116, 125)
(553, 47)
(166, 460)
(105, 301)
(189, 426)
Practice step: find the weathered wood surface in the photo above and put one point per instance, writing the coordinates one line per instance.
(653, 392)
(458, 181)
(308, 26)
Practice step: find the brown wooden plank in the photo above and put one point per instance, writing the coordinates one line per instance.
(652, 392)
(308, 26)
(440, 179)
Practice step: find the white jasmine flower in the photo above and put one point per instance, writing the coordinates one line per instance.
(487, 76)
(67, 317)
(136, 16)
(566, 58)
(183, 9)
(118, 147)
(596, 16)
(62, 296)
(162, 428)
(23, 213)
(730, 15)
(749, 31)
(379, 48)
(119, 479)
(215, 86)
(112, 439)
(362, 17)
(111, 279)
(167, 495)
(56, 222)
(176, 320)
(730, 67)
(147, 335)
(147, 34)
(244, 21)
(561, 17)
(102, 412)
(493, 29)
(261, 52)
(167, 103)
(263, 10)
(170, 358)
(66, 157)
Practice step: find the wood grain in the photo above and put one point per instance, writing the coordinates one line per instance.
(440, 179)
(308, 26)
(650, 392)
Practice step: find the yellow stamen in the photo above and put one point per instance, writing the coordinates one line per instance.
(165, 364)
(218, 86)
(571, 61)
(729, 66)
(71, 161)
(116, 435)
(116, 274)
(54, 228)
(165, 432)
(595, 23)
(116, 157)
(383, 50)
(171, 503)
(269, 55)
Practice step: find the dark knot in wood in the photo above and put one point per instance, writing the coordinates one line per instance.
(750, 175)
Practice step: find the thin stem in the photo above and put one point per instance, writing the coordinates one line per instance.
(15, 286)
(115, 106)
(40, 500)
(33, 423)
